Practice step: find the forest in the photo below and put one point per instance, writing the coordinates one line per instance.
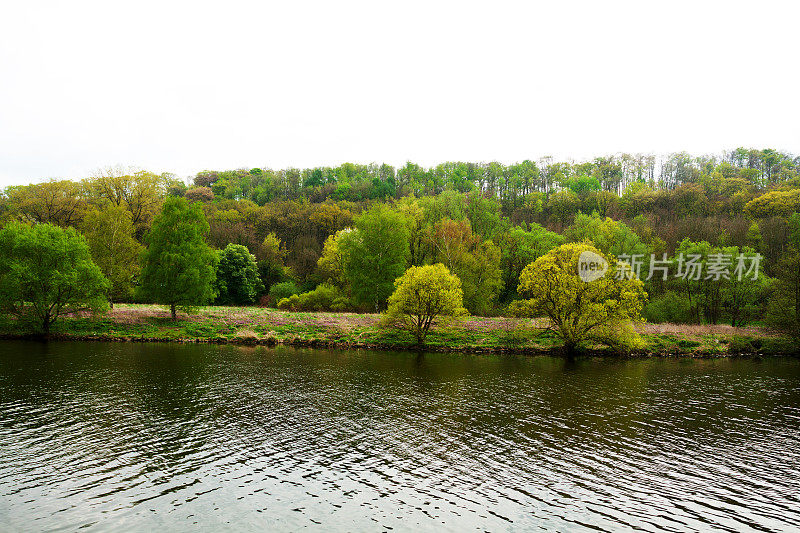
(336, 238)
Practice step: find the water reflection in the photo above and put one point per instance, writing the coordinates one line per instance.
(131, 436)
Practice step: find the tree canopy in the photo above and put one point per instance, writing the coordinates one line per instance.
(110, 234)
(178, 265)
(375, 254)
(580, 310)
(46, 272)
(237, 280)
(421, 295)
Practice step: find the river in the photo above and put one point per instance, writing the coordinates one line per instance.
(144, 437)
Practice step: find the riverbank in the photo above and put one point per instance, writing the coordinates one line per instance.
(260, 326)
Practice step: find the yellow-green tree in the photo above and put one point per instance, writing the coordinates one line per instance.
(580, 310)
(51, 202)
(109, 232)
(139, 192)
(421, 295)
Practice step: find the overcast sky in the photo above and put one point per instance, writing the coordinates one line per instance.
(185, 86)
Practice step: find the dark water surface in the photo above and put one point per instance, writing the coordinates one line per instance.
(172, 437)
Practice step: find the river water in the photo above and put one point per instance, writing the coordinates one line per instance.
(145, 437)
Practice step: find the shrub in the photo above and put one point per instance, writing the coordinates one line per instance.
(670, 307)
(323, 298)
(780, 346)
(292, 302)
(621, 337)
(744, 344)
(282, 290)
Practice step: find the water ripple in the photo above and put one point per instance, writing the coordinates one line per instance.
(125, 437)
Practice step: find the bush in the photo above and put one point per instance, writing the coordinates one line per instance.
(292, 302)
(342, 303)
(325, 297)
(744, 344)
(670, 307)
(780, 346)
(282, 290)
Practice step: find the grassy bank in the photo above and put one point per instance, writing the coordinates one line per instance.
(253, 325)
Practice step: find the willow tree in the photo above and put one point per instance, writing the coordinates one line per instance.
(178, 265)
(581, 308)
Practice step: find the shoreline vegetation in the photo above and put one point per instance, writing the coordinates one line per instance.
(256, 326)
(574, 256)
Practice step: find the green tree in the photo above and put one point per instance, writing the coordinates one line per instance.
(580, 310)
(520, 247)
(270, 257)
(421, 295)
(178, 264)
(330, 266)
(743, 293)
(376, 255)
(563, 205)
(237, 280)
(609, 236)
(46, 272)
(51, 202)
(109, 232)
(139, 192)
(753, 237)
(475, 261)
(783, 312)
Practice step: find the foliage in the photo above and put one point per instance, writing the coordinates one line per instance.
(47, 272)
(375, 255)
(421, 295)
(199, 194)
(270, 257)
(710, 298)
(521, 246)
(583, 184)
(783, 311)
(331, 264)
(52, 202)
(110, 234)
(609, 236)
(578, 310)
(475, 261)
(140, 192)
(284, 289)
(178, 265)
(291, 218)
(774, 204)
(237, 279)
(325, 297)
(669, 307)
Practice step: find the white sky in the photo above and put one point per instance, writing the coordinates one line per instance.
(186, 86)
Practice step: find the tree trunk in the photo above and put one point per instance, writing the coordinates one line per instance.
(173, 311)
(46, 327)
(570, 349)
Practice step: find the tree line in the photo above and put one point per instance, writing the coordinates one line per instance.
(338, 238)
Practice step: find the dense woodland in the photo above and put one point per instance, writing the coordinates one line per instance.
(484, 221)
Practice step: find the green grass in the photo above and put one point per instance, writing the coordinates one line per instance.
(252, 324)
